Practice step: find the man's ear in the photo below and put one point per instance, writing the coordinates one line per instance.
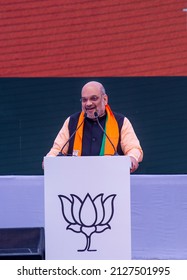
(106, 99)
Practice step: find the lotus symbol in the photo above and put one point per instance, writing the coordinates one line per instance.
(87, 216)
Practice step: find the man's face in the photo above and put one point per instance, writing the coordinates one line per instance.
(93, 100)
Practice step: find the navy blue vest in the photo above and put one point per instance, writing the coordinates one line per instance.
(92, 134)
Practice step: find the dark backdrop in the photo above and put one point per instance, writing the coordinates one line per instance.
(32, 110)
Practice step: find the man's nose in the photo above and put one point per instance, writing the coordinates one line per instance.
(88, 102)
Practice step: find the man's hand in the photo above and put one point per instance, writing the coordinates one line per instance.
(134, 164)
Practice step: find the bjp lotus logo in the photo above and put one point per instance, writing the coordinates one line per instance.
(88, 216)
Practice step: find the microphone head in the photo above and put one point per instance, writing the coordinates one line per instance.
(96, 114)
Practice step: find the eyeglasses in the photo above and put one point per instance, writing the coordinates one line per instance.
(93, 98)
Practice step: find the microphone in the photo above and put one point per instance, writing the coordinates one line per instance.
(97, 119)
(60, 153)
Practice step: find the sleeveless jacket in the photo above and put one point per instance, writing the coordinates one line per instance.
(92, 134)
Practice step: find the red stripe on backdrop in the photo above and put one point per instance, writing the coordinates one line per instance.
(93, 38)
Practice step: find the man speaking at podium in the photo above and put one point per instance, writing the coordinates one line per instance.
(96, 130)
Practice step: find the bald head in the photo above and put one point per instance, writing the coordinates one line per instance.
(94, 85)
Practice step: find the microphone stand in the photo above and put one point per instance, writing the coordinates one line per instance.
(97, 119)
(60, 154)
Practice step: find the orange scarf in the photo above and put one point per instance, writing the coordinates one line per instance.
(111, 129)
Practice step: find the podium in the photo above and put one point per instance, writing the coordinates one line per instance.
(87, 208)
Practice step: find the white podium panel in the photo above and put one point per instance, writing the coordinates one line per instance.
(87, 208)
